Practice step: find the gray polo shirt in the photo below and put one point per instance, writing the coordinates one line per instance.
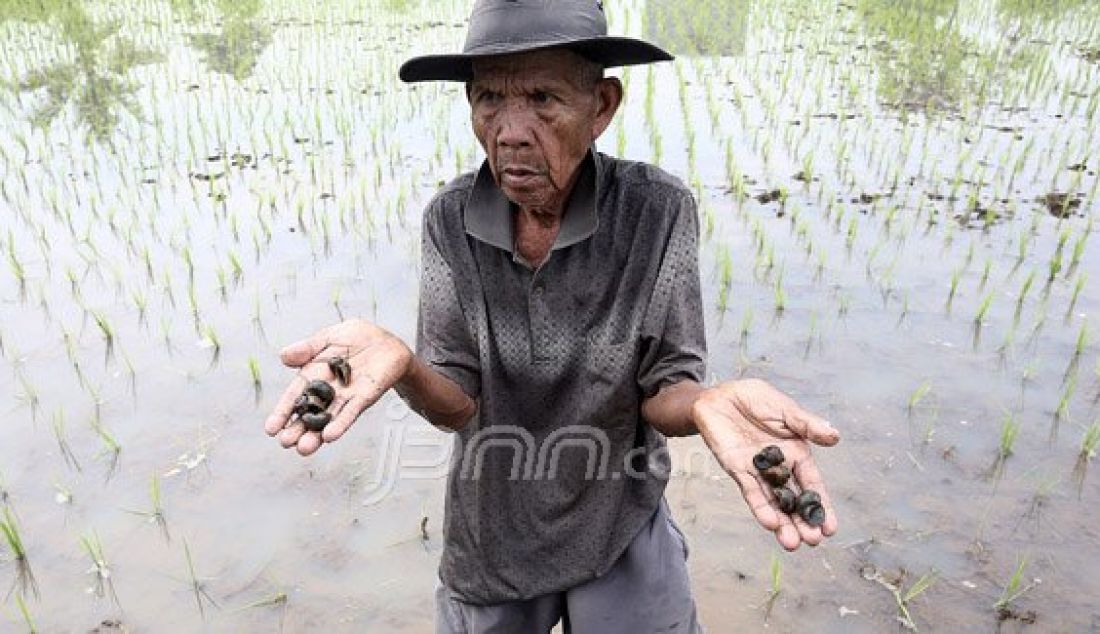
(557, 471)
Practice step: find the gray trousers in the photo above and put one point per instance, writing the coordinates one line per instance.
(647, 590)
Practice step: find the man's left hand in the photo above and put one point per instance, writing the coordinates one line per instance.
(739, 418)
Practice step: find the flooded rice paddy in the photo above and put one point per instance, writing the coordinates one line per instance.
(898, 204)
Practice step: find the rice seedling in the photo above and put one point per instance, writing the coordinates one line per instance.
(780, 295)
(254, 371)
(24, 576)
(1062, 411)
(956, 275)
(918, 395)
(1024, 290)
(197, 587)
(919, 587)
(1077, 288)
(775, 575)
(62, 441)
(112, 450)
(1015, 587)
(983, 309)
(104, 328)
(210, 336)
(104, 585)
(1090, 441)
(155, 513)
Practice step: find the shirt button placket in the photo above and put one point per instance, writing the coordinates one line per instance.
(537, 308)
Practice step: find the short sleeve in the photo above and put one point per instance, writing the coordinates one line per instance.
(673, 334)
(444, 340)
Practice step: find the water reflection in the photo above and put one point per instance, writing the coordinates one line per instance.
(95, 78)
(930, 56)
(921, 52)
(698, 27)
(236, 48)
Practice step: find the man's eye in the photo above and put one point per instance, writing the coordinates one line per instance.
(541, 98)
(489, 96)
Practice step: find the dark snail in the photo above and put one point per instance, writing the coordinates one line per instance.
(769, 462)
(768, 457)
(776, 475)
(322, 390)
(341, 369)
(810, 509)
(310, 406)
(316, 421)
(786, 499)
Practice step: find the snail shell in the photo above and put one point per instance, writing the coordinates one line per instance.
(316, 421)
(322, 390)
(786, 499)
(776, 475)
(768, 457)
(341, 369)
(810, 508)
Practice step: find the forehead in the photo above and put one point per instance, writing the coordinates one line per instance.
(542, 66)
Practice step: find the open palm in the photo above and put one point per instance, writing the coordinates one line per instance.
(739, 418)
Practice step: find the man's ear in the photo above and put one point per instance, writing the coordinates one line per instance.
(609, 96)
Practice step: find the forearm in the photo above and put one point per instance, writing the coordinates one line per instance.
(435, 397)
(669, 411)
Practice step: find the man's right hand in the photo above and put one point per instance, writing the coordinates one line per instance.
(378, 361)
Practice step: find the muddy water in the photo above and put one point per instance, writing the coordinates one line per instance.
(267, 179)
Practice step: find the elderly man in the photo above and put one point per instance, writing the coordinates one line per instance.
(560, 336)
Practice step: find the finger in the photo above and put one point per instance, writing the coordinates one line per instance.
(761, 507)
(810, 426)
(302, 352)
(809, 477)
(810, 535)
(283, 409)
(291, 434)
(309, 443)
(345, 417)
(787, 534)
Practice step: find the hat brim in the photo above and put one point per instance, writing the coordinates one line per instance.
(607, 51)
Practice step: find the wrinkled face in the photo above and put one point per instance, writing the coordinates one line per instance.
(536, 116)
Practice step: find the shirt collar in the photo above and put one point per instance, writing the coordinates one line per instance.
(488, 213)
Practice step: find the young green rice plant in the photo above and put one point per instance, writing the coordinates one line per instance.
(986, 268)
(983, 309)
(197, 587)
(1010, 430)
(1077, 288)
(112, 450)
(62, 441)
(156, 510)
(1024, 290)
(1090, 441)
(254, 371)
(1014, 587)
(29, 395)
(104, 583)
(919, 395)
(780, 295)
(1062, 412)
(919, 587)
(775, 575)
(24, 576)
(104, 328)
(956, 275)
(211, 338)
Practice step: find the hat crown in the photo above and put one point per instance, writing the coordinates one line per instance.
(499, 25)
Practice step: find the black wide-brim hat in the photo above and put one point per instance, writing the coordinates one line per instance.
(500, 27)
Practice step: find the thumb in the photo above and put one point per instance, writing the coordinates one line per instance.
(813, 428)
(302, 352)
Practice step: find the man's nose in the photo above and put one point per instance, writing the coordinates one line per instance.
(515, 126)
